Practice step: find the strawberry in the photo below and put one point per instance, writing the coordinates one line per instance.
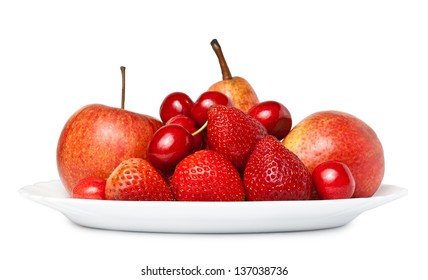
(207, 176)
(233, 133)
(275, 173)
(137, 179)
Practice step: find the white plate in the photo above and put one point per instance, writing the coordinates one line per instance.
(207, 217)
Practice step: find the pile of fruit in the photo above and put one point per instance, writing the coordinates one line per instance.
(224, 146)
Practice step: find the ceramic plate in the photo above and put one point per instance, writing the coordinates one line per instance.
(207, 217)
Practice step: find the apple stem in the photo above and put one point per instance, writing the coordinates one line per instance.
(200, 129)
(223, 65)
(122, 70)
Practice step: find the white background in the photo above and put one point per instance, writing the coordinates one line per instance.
(368, 58)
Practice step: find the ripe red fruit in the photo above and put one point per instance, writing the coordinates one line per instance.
(137, 179)
(90, 188)
(175, 103)
(333, 135)
(237, 88)
(333, 180)
(96, 138)
(233, 134)
(169, 145)
(190, 125)
(207, 176)
(205, 101)
(274, 116)
(275, 173)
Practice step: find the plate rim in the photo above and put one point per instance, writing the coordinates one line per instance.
(100, 214)
(27, 192)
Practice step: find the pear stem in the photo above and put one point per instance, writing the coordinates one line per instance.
(223, 65)
(122, 70)
(200, 129)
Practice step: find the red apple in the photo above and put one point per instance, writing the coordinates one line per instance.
(337, 136)
(97, 138)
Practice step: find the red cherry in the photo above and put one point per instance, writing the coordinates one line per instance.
(333, 180)
(204, 102)
(190, 125)
(90, 188)
(175, 103)
(274, 116)
(169, 145)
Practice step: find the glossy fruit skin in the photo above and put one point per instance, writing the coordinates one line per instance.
(90, 188)
(239, 91)
(190, 125)
(274, 173)
(333, 180)
(334, 135)
(169, 145)
(274, 116)
(236, 88)
(205, 101)
(96, 138)
(233, 134)
(207, 176)
(176, 103)
(137, 179)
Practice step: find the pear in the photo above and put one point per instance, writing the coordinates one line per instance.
(338, 136)
(236, 88)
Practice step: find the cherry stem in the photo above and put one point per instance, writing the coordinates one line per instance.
(122, 70)
(223, 65)
(200, 129)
